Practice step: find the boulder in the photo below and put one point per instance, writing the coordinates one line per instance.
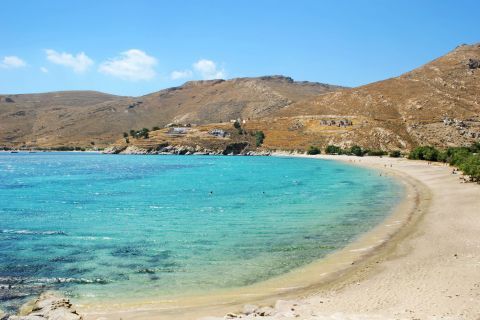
(473, 63)
(114, 149)
(3, 315)
(265, 311)
(49, 306)
(249, 309)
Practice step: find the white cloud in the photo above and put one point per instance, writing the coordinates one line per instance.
(131, 65)
(181, 74)
(44, 70)
(10, 62)
(208, 69)
(79, 62)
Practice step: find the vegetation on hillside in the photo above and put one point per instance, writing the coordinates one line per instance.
(259, 137)
(239, 128)
(313, 150)
(137, 134)
(395, 154)
(467, 159)
(354, 150)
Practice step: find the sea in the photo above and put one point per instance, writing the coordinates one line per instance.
(96, 226)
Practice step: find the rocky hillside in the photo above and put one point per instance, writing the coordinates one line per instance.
(82, 118)
(436, 104)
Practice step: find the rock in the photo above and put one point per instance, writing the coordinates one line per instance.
(249, 309)
(135, 150)
(114, 150)
(49, 306)
(239, 148)
(265, 311)
(473, 63)
(235, 148)
(3, 315)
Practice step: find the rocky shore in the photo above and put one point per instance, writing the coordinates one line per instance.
(231, 149)
(49, 306)
(282, 308)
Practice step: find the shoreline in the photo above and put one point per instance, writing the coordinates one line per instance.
(431, 272)
(334, 268)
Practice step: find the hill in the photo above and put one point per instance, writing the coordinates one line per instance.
(85, 117)
(436, 104)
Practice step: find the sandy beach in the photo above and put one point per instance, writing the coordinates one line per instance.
(422, 262)
(433, 273)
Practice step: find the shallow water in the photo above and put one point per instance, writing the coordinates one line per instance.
(107, 226)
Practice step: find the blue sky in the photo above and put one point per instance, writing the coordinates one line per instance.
(137, 47)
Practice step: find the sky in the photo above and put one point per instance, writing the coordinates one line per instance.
(137, 47)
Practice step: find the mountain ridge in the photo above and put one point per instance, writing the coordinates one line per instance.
(55, 118)
(437, 103)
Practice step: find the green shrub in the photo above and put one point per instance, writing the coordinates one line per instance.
(442, 156)
(377, 153)
(475, 147)
(125, 135)
(395, 154)
(464, 158)
(424, 153)
(357, 151)
(259, 137)
(139, 134)
(313, 150)
(331, 149)
(471, 167)
(144, 133)
(155, 128)
(455, 156)
(430, 154)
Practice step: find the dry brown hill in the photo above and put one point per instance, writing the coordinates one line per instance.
(437, 104)
(79, 118)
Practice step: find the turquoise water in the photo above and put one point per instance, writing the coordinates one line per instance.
(102, 226)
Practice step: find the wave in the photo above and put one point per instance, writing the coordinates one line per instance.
(33, 232)
(92, 238)
(42, 281)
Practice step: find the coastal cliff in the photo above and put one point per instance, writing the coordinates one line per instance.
(231, 149)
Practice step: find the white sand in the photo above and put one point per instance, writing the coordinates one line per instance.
(432, 274)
